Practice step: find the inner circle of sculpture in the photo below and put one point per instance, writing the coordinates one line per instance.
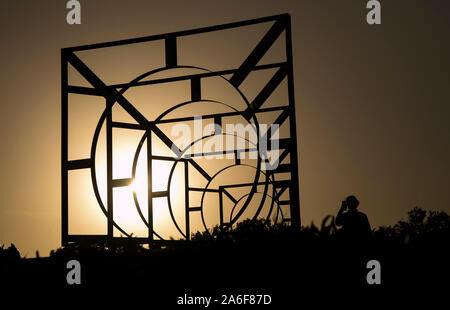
(258, 178)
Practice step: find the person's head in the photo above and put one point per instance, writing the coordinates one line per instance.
(352, 202)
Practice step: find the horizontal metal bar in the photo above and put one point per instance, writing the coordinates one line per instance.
(196, 76)
(178, 33)
(283, 168)
(193, 209)
(82, 90)
(96, 92)
(240, 185)
(167, 158)
(128, 126)
(246, 150)
(283, 143)
(79, 164)
(122, 182)
(221, 115)
(75, 238)
(198, 189)
(160, 194)
(283, 183)
(103, 238)
(284, 202)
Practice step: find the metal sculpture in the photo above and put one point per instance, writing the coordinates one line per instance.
(264, 183)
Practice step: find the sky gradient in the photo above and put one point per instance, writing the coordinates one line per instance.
(372, 102)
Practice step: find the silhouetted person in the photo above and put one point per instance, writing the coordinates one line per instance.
(355, 224)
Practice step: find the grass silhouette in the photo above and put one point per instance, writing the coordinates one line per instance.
(254, 254)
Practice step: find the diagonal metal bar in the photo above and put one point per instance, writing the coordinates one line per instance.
(265, 93)
(110, 94)
(200, 169)
(283, 155)
(259, 51)
(280, 192)
(279, 121)
(165, 139)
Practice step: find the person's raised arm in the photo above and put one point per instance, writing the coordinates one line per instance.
(340, 215)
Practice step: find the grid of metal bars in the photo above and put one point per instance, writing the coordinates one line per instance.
(113, 95)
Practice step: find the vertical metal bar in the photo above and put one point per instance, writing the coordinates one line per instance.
(218, 125)
(109, 169)
(171, 52)
(186, 191)
(268, 138)
(149, 187)
(294, 192)
(64, 151)
(221, 206)
(196, 91)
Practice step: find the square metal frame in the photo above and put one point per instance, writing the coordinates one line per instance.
(112, 94)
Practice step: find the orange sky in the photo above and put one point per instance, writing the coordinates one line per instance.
(371, 101)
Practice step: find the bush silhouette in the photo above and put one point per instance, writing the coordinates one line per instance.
(252, 254)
